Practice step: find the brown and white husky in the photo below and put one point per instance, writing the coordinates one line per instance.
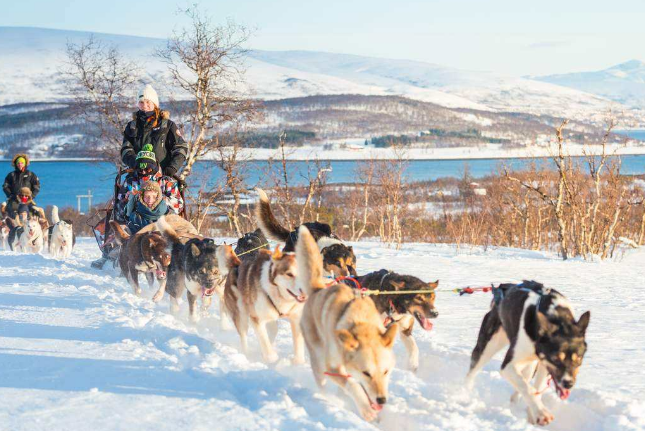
(344, 333)
(262, 290)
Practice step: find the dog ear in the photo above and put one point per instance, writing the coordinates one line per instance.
(194, 250)
(397, 285)
(277, 254)
(389, 335)
(232, 257)
(544, 326)
(433, 284)
(583, 322)
(350, 342)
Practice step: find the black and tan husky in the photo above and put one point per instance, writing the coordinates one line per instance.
(545, 340)
(402, 308)
(338, 258)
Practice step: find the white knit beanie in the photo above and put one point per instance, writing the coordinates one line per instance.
(149, 93)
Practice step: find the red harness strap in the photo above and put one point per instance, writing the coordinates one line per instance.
(471, 290)
(344, 376)
(548, 383)
(357, 284)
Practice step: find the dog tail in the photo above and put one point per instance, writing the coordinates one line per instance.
(267, 221)
(309, 263)
(226, 259)
(120, 235)
(167, 230)
(55, 218)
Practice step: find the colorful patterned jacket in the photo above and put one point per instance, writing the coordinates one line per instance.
(133, 183)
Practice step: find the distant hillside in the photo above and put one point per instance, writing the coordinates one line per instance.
(32, 58)
(52, 130)
(624, 83)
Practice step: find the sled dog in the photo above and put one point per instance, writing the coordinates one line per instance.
(545, 341)
(249, 246)
(263, 290)
(148, 253)
(4, 234)
(338, 258)
(247, 249)
(60, 234)
(403, 309)
(197, 266)
(344, 333)
(25, 234)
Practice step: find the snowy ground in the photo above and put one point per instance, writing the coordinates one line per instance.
(79, 351)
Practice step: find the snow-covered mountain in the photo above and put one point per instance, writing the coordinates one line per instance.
(31, 58)
(624, 83)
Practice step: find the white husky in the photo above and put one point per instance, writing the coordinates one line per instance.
(4, 235)
(61, 236)
(27, 236)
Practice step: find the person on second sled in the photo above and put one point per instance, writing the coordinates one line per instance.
(146, 207)
(17, 180)
(152, 126)
(147, 171)
(26, 205)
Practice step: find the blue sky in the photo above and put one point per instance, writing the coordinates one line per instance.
(515, 37)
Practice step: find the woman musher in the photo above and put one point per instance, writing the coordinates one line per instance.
(153, 149)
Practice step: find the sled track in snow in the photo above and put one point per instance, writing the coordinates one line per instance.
(78, 349)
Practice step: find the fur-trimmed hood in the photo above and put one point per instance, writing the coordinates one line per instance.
(151, 186)
(17, 156)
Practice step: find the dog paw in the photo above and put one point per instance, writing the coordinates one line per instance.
(369, 414)
(413, 366)
(158, 297)
(298, 360)
(272, 358)
(542, 417)
(515, 397)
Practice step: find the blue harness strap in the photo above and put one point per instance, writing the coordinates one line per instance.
(499, 294)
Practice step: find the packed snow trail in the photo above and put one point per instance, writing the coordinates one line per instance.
(79, 351)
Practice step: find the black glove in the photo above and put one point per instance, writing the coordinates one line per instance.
(169, 171)
(130, 161)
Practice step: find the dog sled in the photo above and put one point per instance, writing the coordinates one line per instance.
(99, 222)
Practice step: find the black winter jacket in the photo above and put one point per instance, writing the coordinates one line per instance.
(169, 147)
(16, 180)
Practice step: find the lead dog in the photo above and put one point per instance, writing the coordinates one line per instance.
(263, 290)
(344, 334)
(545, 340)
(338, 258)
(197, 267)
(403, 309)
(61, 236)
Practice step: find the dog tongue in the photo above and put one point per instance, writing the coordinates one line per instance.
(426, 324)
(376, 407)
(563, 393)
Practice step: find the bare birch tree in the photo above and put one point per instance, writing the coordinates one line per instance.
(206, 64)
(103, 84)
